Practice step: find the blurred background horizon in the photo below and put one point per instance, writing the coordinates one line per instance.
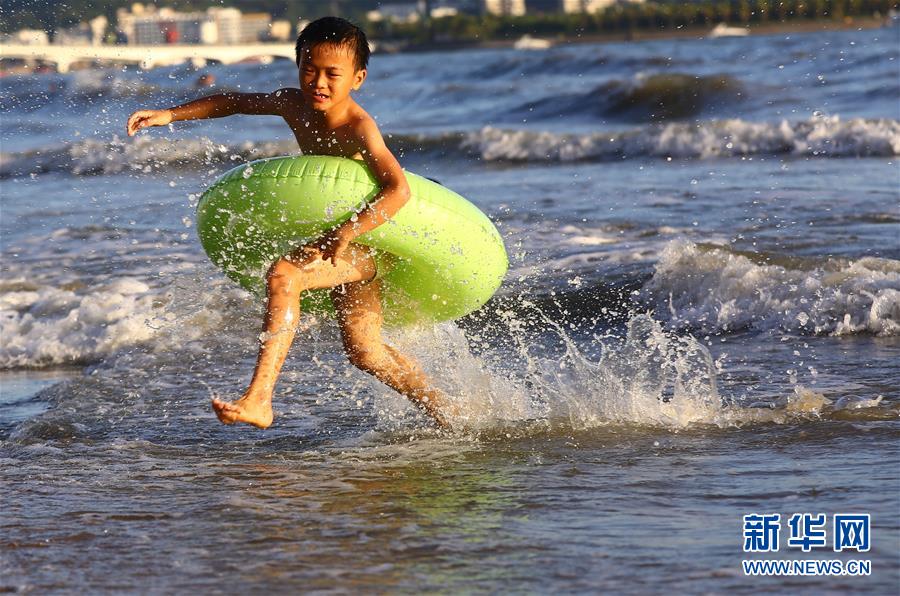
(418, 24)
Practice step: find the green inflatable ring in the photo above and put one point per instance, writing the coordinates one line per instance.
(438, 258)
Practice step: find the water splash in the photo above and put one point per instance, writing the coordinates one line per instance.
(648, 377)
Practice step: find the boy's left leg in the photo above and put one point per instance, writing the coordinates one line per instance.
(358, 307)
(301, 270)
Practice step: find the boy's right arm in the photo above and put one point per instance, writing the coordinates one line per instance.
(212, 106)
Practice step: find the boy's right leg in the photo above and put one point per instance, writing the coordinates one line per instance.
(358, 307)
(287, 278)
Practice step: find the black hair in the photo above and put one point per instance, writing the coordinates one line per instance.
(336, 31)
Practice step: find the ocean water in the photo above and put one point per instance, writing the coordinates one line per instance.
(701, 321)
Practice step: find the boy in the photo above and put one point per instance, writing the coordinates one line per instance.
(332, 55)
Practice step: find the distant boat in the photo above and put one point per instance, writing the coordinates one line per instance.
(527, 42)
(723, 30)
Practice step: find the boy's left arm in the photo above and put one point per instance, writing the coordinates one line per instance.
(393, 195)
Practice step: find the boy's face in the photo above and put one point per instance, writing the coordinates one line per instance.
(328, 74)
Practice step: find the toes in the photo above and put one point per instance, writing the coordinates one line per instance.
(224, 406)
(233, 412)
(225, 411)
(224, 418)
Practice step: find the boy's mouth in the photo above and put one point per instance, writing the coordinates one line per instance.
(319, 96)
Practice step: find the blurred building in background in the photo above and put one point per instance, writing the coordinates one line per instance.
(147, 25)
(26, 37)
(87, 33)
(408, 12)
(254, 27)
(514, 8)
(589, 6)
(413, 12)
(281, 30)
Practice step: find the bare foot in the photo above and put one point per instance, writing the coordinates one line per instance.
(437, 406)
(255, 411)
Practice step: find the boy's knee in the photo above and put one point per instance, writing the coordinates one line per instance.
(280, 274)
(278, 269)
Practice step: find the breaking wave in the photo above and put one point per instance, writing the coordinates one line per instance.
(49, 323)
(45, 325)
(713, 289)
(645, 98)
(819, 137)
(816, 137)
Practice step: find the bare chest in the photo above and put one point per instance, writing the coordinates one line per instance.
(315, 139)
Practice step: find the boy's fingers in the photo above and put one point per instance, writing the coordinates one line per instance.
(137, 121)
(139, 124)
(134, 124)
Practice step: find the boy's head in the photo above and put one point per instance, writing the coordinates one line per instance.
(336, 32)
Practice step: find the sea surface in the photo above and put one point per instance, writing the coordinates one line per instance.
(701, 321)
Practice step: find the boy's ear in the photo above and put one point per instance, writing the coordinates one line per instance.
(359, 78)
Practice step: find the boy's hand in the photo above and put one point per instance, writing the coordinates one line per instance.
(331, 245)
(145, 118)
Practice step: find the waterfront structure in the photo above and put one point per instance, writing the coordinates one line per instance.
(145, 56)
(281, 30)
(226, 27)
(514, 8)
(589, 6)
(148, 26)
(409, 12)
(254, 26)
(413, 12)
(26, 37)
(441, 12)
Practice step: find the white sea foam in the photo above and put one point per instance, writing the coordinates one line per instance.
(64, 321)
(714, 289)
(45, 325)
(821, 137)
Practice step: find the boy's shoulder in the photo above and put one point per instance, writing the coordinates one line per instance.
(360, 120)
(362, 131)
